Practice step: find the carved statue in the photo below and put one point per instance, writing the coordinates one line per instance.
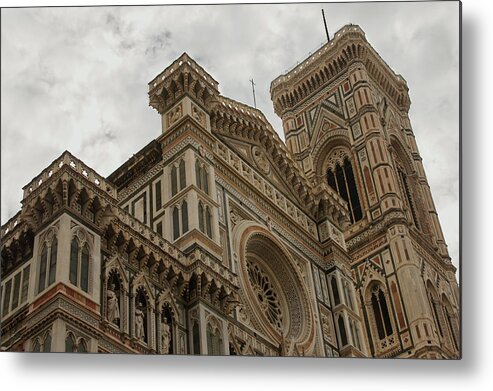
(113, 307)
(175, 115)
(165, 336)
(139, 322)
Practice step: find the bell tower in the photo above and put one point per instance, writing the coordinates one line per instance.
(345, 119)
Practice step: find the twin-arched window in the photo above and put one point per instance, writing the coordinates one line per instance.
(381, 313)
(74, 346)
(180, 220)
(47, 264)
(201, 176)
(79, 265)
(205, 219)
(42, 345)
(341, 179)
(178, 177)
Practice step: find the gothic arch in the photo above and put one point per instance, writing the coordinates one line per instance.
(339, 169)
(379, 308)
(401, 155)
(166, 298)
(283, 312)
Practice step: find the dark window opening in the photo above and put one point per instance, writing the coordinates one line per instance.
(343, 182)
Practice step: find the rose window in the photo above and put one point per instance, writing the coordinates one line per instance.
(265, 294)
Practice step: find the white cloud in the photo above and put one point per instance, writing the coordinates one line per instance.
(76, 78)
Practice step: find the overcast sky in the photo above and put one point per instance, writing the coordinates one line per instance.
(76, 78)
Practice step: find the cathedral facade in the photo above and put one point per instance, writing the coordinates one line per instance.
(218, 238)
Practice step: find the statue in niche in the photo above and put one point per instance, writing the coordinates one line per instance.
(139, 322)
(165, 336)
(197, 114)
(113, 307)
(175, 115)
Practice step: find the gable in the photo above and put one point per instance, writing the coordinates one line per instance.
(257, 157)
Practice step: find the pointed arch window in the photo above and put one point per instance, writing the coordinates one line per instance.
(341, 179)
(196, 338)
(335, 291)
(180, 219)
(201, 176)
(84, 268)
(82, 346)
(47, 265)
(176, 223)
(355, 332)
(36, 346)
(205, 219)
(342, 331)
(70, 343)
(450, 323)
(381, 313)
(214, 341)
(347, 295)
(79, 265)
(408, 198)
(178, 177)
(184, 217)
(201, 216)
(42, 268)
(47, 343)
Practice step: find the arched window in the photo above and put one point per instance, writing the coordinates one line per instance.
(341, 179)
(79, 265)
(174, 181)
(381, 313)
(53, 255)
(84, 268)
(335, 291)
(198, 174)
(176, 223)
(342, 331)
(36, 346)
(201, 216)
(47, 343)
(435, 308)
(202, 176)
(178, 177)
(42, 268)
(347, 295)
(69, 343)
(196, 338)
(205, 180)
(408, 199)
(214, 341)
(47, 264)
(82, 346)
(74, 261)
(183, 181)
(208, 224)
(450, 319)
(184, 217)
(180, 219)
(205, 219)
(355, 333)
